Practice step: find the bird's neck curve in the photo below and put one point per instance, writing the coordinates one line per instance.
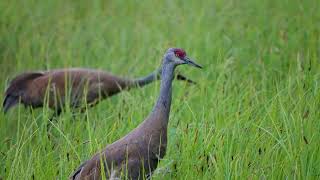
(162, 107)
(140, 82)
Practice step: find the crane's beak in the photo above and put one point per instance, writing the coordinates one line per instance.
(191, 63)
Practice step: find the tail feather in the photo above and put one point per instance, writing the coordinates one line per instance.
(76, 173)
(9, 102)
(20, 82)
(17, 88)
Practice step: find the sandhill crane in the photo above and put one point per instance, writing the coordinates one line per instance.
(80, 85)
(136, 155)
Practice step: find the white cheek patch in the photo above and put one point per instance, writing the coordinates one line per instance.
(178, 60)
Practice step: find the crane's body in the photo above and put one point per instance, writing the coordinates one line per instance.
(74, 86)
(136, 155)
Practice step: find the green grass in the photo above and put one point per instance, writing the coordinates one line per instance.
(254, 114)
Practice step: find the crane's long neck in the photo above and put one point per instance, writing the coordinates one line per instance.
(161, 109)
(147, 79)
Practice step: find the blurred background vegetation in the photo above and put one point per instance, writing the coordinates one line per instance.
(254, 113)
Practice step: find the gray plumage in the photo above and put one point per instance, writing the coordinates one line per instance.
(136, 155)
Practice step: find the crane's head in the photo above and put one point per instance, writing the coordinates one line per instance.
(178, 56)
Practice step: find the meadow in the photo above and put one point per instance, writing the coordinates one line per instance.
(254, 113)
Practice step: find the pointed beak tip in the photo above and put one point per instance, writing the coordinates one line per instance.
(200, 67)
(192, 63)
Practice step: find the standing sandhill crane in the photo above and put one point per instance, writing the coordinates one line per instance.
(78, 84)
(136, 155)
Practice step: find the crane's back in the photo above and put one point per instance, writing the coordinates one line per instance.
(75, 86)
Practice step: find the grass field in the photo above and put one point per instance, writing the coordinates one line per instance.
(253, 115)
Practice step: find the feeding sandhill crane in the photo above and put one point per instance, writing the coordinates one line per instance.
(80, 85)
(136, 155)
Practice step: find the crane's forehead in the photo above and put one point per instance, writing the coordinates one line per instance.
(180, 52)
